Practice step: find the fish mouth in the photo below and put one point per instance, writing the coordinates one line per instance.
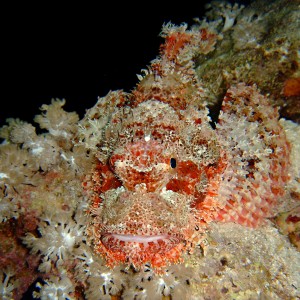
(116, 240)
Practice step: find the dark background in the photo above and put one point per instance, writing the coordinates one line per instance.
(78, 53)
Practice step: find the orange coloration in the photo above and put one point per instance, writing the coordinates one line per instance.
(189, 169)
(188, 176)
(158, 255)
(292, 87)
(198, 121)
(140, 161)
(174, 43)
(106, 178)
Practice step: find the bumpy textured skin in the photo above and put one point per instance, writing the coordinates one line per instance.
(163, 173)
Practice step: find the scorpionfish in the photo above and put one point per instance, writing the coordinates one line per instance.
(164, 172)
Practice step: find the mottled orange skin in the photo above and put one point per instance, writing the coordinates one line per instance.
(292, 87)
(146, 209)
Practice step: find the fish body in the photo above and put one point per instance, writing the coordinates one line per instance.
(164, 173)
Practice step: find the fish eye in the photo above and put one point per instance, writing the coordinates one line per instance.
(173, 162)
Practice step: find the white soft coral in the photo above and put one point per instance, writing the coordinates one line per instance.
(7, 284)
(101, 281)
(56, 288)
(58, 122)
(17, 169)
(60, 235)
(226, 10)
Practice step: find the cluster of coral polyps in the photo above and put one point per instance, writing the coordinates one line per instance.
(144, 198)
